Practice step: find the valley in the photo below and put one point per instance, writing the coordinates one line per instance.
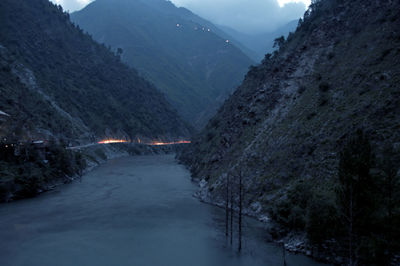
(130, 211)
(181, 53)
(135, 132)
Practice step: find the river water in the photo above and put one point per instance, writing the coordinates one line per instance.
(131, 211)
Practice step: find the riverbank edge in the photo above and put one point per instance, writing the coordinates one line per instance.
(294, 242)
(94, 156)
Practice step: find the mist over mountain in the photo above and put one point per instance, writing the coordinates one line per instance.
(176, 50)
(258, 45)
(250, 17)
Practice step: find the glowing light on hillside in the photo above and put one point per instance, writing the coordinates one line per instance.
(227, 41)
(110, 141)
(178, 25)
(160, 143)
(150, 143)
(282, 3)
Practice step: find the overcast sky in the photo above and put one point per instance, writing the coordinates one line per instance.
(72, 5)
(250, 16)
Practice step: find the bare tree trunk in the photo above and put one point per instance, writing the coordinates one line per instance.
(390, 246)
(284, 254)
(391, 171)
(227, 207)
(351, 263)
(391, 177)
(240, 211)
(232, 212)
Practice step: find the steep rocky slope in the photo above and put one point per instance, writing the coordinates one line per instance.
(285, 126)
(57, 82)
(186, 59)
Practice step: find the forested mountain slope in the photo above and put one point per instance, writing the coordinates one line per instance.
(330, 94)
(170, 46)
(57, 82)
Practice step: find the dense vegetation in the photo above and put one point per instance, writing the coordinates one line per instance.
(74, 78)
(59, 86)
(358, 215)
(29, 111)
(290, 128)
(27, 169)
(173, 48)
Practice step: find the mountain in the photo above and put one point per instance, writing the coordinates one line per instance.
(175, 49)
(257, 45)
(57, 82)
(313, 130)
(168, 8)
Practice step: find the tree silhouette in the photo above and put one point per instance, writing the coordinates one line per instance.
(279, 42)
(355, 190)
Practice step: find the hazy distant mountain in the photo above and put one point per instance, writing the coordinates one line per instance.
(56, 81)
(167, 8)
(262, 43)
(178, 51)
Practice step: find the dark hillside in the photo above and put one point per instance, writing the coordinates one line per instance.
(194, 67)
(287, 126)
(80, 90)
(58, 87)
(168, 8)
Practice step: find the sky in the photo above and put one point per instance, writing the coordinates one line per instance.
(72, 5)
(248, 16)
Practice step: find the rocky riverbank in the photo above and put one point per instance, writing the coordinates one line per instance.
(293, 241)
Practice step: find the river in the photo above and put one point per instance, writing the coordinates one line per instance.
(131, 211)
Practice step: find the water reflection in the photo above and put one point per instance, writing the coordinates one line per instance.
(131, 211)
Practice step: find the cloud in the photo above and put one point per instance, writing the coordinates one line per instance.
(284, 2)
(72, 5)
(254, 16)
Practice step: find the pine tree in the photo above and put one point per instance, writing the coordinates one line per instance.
(390, 197)
(227, 206)
(240, 214)
(355, 191)
(231, 209)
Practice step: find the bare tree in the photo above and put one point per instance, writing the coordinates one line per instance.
(232, 210)
(227, 206)
(391, 185)
(284, 254)
(354, 190)
(240, 211)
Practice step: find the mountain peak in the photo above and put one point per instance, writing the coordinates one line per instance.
(192, 66)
